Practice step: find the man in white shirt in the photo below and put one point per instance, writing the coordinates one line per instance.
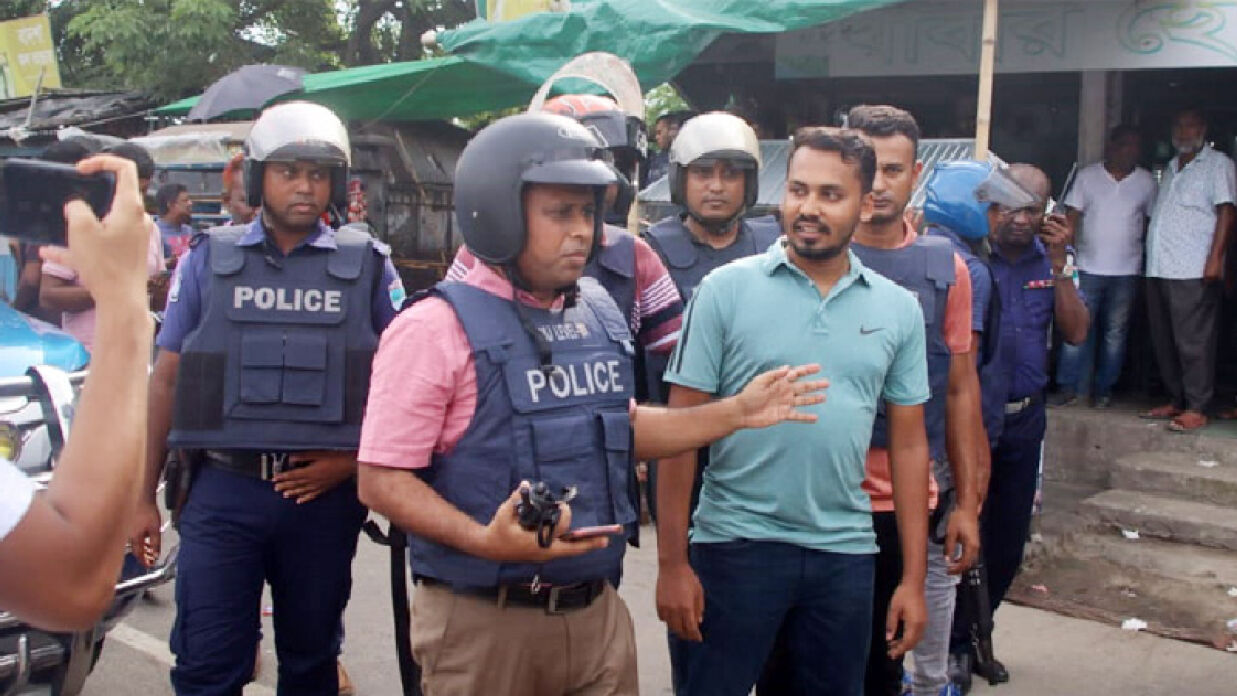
(1185, 258)
(1113, 199)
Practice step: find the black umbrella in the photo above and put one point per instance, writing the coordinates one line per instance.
(246, 89)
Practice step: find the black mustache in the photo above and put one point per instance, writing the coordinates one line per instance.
(802, 219)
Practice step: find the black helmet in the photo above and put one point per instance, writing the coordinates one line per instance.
(298, 131)
(534, 148)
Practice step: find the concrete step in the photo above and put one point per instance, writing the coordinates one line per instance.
(1180, 590)
(1162, 517)
(1179, 475)
(1082, 443)
(1205, 568)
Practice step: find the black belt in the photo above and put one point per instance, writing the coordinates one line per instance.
(260, 465)
(555, 599)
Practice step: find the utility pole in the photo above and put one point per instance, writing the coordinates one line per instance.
(987, 62)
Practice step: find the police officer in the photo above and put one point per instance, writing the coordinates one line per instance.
(1036, 290)
(263, 373)
(952, 210)
(523, 374)
(624, 265)
(714, 176)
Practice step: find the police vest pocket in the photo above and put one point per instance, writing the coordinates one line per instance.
(261, 367)
(305, 362)
(568, 454)
(287, 374)
(624, 489)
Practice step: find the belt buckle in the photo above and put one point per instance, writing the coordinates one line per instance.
(273, 464)
(551, 606)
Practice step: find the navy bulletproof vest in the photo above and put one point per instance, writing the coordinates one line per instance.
(568, 428)
(614, 266)
(281, 357)
(671, 239)
(926, 268)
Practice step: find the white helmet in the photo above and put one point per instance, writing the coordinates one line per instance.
(715, 136)
(298, 131)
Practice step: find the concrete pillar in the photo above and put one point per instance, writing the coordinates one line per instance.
(1093, 110)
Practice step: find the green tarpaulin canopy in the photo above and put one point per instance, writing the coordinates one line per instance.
(658, 37)
(424, 89)
(500, 65)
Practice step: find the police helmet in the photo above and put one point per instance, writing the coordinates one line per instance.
(622, 134)
(298, 131)
(533, 148)
(711, 137)
(950, 199)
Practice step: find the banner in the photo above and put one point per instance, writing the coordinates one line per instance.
(506, 10)
(26, 50)
(943, 38)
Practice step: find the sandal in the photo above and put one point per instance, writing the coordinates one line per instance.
(1187, 422)
(1165, 412)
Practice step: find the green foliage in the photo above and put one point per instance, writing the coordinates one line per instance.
(175, 48)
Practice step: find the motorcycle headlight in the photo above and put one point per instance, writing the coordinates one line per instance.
(10, 442)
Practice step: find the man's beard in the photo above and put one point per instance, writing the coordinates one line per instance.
(1188, 147)
(820, 253)
(881, 219)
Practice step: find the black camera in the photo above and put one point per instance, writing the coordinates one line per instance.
(539, 511)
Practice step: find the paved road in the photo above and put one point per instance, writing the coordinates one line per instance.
(1048, 655)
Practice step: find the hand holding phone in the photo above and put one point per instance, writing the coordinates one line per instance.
(33, 194)
(109, 255)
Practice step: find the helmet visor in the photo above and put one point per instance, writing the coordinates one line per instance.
(571, 166)
(999, 188)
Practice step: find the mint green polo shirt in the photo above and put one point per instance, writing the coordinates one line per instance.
(798, 483)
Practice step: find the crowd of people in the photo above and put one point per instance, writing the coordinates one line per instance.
(854, 396)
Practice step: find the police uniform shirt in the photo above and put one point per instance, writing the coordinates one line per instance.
(1027, 291)
(191, 285)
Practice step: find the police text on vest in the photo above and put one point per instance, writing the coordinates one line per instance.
(581, 379)
(287, 299)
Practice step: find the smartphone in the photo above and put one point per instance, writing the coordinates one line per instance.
(590, 532)
(33, 194)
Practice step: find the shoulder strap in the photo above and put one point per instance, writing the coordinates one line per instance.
(671, 240)
(618, 254)
(480, 313)
(938, 259)
(764, 231)
(595, 297)
(225, 257)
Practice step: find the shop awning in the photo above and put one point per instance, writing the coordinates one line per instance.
(500, 65)
(416, 90)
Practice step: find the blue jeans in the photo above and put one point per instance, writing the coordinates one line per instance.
(820, 601)
(1109, 300)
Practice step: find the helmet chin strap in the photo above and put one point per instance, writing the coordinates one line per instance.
(545, 353)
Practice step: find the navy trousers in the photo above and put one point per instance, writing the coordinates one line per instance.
(235, 533)
(821, 603)
(1006, 521)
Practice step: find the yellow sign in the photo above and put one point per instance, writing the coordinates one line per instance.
(505, 10)
(26, 51)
